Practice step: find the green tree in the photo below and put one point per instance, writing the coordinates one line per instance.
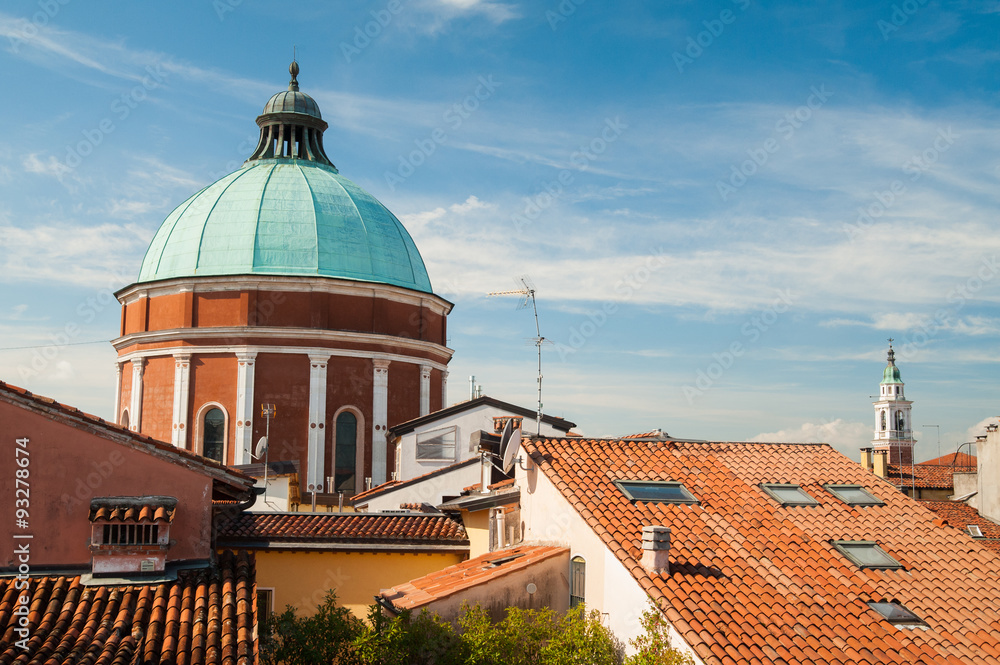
(653, 647)
(409, 639)
(324, 638)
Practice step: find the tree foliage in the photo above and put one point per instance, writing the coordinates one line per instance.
(333, 636)
(653, 646)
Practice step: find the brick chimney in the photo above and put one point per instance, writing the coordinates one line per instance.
(656, 549)
(880, 463)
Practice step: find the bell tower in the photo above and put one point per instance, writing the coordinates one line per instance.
(893, 426)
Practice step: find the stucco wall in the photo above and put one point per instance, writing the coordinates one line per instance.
(467, 422)
(301, 579)
(68, 467)
(429, 491)
(988, 454)
(511, 590)
(610, 588)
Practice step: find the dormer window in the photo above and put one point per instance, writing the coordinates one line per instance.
(130, 534)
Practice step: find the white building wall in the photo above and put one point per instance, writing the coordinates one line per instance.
(610, 588)
(432, 490)
(467, 422)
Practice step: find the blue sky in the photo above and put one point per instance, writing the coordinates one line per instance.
(726, 207)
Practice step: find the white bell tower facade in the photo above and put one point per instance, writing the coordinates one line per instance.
(893, 424)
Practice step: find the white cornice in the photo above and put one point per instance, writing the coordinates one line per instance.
(331, 339)
(238, 283)
(169, 351)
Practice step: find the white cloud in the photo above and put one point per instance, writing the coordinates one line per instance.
(495, 12)
(81, 255)
(979, 429)
(847, 437)
(50, 166)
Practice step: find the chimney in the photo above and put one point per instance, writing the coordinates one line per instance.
(988, 472)
(866, 458)
(880, 466)
(656, 549)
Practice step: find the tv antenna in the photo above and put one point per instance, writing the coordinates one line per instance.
(527, 291)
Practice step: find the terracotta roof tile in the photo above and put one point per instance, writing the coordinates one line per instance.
(133, 509)
(71, 623)
(780, 590)
(463, 576)
(246, 529)
(960, 516)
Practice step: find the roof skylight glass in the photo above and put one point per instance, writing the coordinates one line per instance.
(788, 495)
(975, 531)
(658, 491)
(898, 615)
(866, 554)
(853, 495)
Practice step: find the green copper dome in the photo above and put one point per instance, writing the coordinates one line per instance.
(891, 373)
(285, 217)
(288, 211)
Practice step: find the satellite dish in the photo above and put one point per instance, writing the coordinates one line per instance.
(261, 448)
(511, 449)
(508, 429)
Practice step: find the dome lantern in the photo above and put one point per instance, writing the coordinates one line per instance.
(291, 126)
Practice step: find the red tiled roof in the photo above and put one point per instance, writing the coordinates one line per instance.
(462, 576)
(75, 417)
(206, 616)
(952, 459)
(752, 581)
(961, 515)
(133, 509)
(926, 476)
(416, 529)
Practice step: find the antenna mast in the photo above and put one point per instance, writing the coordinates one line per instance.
(527, 290)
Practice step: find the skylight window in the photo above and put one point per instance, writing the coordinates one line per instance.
(788, 495)
(866, 554)
(658, 491)
(898, 615)
(853, 495)
(975, 531)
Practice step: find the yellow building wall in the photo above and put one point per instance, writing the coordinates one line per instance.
(301, 579)
(477, 527)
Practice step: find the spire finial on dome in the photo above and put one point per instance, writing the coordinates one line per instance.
(891, 357)
(293, 69)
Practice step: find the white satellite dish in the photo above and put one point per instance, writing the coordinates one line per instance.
(508, 429)
(261, 447)
(511, 449)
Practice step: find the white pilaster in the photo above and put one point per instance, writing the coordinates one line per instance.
(135, 407)
(317, 422)
(182, 388)
(118, 393)
(425, 389)
(444, 388)
(244, 407)
(380, 419)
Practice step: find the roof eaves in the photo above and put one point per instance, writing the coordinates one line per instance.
(410, 425)
(96, 425)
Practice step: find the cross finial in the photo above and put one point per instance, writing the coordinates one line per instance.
(890, 342)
